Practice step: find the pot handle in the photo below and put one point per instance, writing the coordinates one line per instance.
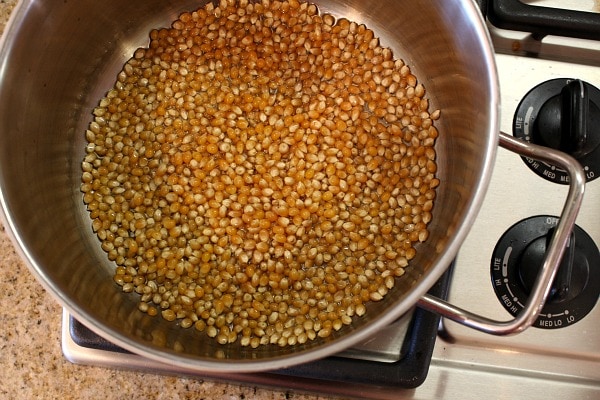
(558, 243)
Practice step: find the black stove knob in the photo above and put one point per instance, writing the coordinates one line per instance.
(563, 114)
(571, 277)
(518, 257)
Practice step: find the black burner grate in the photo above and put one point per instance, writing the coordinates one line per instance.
(541, 21)
(409, 372)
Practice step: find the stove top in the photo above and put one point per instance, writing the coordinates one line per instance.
(567, 358)
(564, 361)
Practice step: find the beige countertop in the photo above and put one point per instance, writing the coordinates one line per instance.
(31, 360)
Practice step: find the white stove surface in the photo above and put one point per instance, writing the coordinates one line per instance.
(562, 362)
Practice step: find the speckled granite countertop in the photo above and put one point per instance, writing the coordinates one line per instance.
(31, 359)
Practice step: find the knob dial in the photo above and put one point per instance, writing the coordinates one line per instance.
(518, 257)
(563, 114)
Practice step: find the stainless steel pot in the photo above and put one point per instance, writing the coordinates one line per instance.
(58, 58)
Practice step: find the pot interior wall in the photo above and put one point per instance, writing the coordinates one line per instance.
(58, 60)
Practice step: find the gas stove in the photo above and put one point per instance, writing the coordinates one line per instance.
(560, 354)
